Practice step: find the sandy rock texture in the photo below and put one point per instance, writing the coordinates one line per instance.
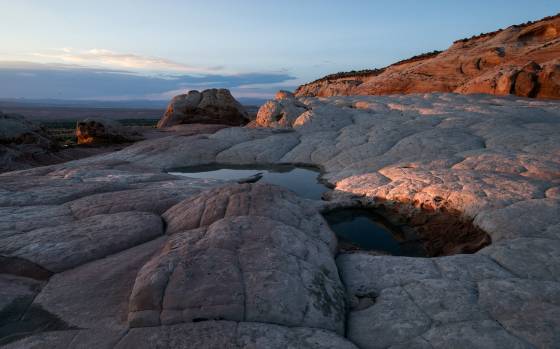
(522, 60)
(111, 251)
(212, 106)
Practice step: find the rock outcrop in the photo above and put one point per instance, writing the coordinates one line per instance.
(520, 60)
(21, 141)
(233, 261)
(213, 106)
(15, 129)
(104, 131)
(112, 252)
(282, 111)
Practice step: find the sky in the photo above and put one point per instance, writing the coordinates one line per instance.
(126, 50)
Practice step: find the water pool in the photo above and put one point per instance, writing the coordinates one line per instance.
(304, 181)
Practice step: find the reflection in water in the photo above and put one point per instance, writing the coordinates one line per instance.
(303, 181)
(364, 230)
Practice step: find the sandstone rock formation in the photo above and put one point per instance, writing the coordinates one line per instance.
(216, 264)
(520, 60)
(280, 112)
(213, 106)
(103, 131)
(21, 141)
(235, 262)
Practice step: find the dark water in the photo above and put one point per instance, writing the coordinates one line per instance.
(303, 181)
(362, 229)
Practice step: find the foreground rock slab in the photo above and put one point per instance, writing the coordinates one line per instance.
(492, 162)
(67, 246)
(210, 334)
(245, 268)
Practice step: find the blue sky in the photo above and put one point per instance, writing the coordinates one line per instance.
(123, 49)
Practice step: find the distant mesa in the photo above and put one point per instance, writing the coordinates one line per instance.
(212, 106)
(522, 60)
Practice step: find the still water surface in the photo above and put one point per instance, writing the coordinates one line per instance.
(303, 181)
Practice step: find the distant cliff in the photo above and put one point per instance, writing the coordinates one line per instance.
(523, 60)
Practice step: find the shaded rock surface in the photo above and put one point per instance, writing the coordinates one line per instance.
(212, 106)
(520, 60)
(209, 334)
(16, 294)
(21, 142)
(492, 160)
(66, 246)
(95, 294)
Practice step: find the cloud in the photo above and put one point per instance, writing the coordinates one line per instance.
(71, 81)
(108, 58)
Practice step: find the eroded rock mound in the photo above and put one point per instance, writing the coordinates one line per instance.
(245, 200)
(243, 264)
(212, 106)
(520, 60)
(282, 111)
(103, 131)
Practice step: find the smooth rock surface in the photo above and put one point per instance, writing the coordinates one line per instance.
(95, 294)
(70, 245)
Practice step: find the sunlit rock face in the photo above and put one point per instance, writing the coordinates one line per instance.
(212, 106)
(280, 112)
(520, 60)
(199, 262)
